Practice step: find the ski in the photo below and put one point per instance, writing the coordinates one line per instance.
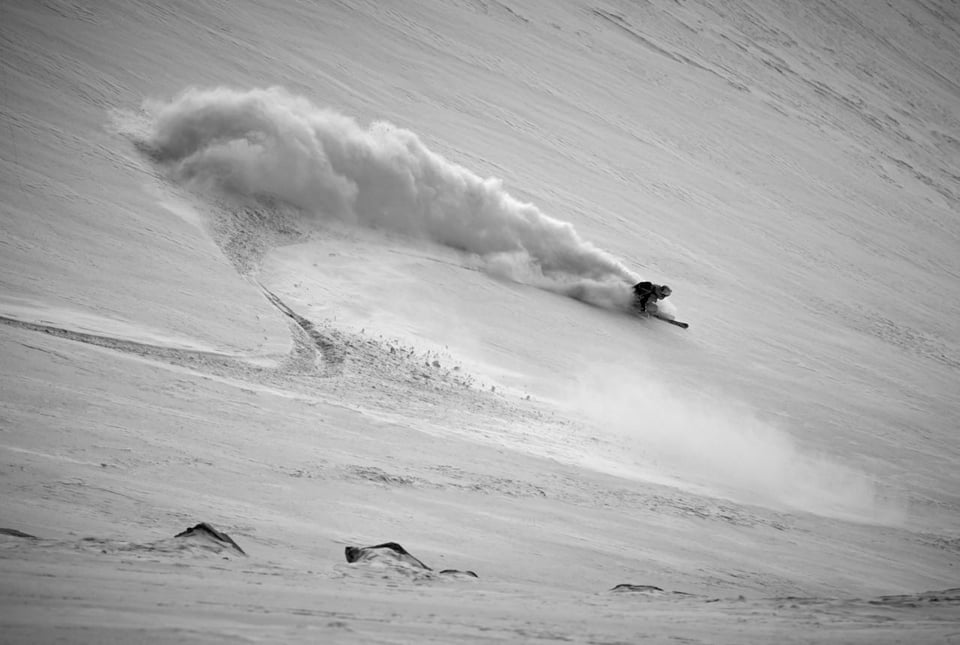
(681, 325)
(645, 314)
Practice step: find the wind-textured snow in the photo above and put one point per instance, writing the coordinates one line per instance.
(323, 275)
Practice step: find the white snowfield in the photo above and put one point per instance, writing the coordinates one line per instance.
(343, 274)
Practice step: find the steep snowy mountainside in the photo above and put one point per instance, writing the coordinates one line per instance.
(344, 273)
(730, 150)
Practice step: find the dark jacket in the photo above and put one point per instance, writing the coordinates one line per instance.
(644, 292)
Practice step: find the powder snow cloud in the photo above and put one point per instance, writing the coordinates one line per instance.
(271, 143)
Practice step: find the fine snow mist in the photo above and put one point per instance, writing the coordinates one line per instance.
(269, 143)
(719, 445)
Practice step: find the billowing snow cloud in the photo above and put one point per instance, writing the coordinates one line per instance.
(268, 142)
(721, 445)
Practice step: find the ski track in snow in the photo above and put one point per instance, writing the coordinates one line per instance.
(323, 360)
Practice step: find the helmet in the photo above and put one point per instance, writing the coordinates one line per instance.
(663, 291)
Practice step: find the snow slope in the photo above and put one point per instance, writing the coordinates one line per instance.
(331, 274)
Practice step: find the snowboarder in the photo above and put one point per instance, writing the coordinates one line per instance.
(647, 293)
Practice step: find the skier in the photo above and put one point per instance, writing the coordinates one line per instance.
(647, 293)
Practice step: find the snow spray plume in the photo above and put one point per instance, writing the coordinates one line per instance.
(267, 142)
(713, 443)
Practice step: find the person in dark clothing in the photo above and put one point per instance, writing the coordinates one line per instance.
(647, 293)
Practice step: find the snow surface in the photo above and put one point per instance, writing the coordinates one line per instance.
(338, 274)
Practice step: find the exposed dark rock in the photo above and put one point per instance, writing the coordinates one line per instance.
(458, 572)
(646, 590)
(19, 534)
(393, 553)
(390, 551)
(945, 597)
(204, 531)
(650, 589)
